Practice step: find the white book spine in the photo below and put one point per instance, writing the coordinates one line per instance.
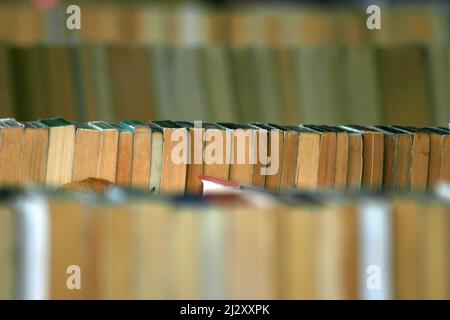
(34, 253)
(375, 254)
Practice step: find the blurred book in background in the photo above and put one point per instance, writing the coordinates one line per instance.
(281, 63)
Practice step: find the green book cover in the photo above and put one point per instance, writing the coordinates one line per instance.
(439, 66)
(219, 86)
(321, 89)
(189, 84)
(161, 63)
(61, 83)
(364, 105)
(244, 77)
(268, 95)
(101, 82)
(405, 92)
(6, 85)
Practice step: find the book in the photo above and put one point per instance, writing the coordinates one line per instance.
(95, 153)
(6, 80)
(152, 236)
(156, 160)
(195, 157)
(34, 154)
(68, 228)
(342, 157)
(438, 144)
(8, 254)
(407, 235)
(108, 150)
(355, 160)
(183, 269)
(397, 158)
(377, 260)
(284, 178)
(243, 152)
(116, 244)
(61, 81)
(434, 254)
(420, 152)
(404, 92)
(296, 262)
(219, 83)
(142, 139)
(308, 154)
(327, 156)
(175, 156)
(86, 152)
(217, 160)
(319, 79)
(124, 157)
(263, 136)
(11, 137)
(336, 255)
(373, 148)
(61, 146)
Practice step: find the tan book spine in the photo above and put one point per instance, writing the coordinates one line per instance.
(390, 161)
(261, 147)
(407, 219)
(434, 166)
(342, 154)
(308, 161)
(243, 255)
(184, 258)
(445, 167)
(244, 151)
(34, 157)
(288, 165)
(217, 170)
(68, 225)
(140, 172)
(118, 257)
(273, 182)
(195, 166)
(124, 158)
(297, 247)
(60, 155)
(108, 155)
(152, 234)
(7, 254)
(86, 155)
(355, 161)
(10, 155)
(372, 177)
(403, 172)
(435, 278)
(336, 255)
(173, 177)
(419, 161)
(327, 160)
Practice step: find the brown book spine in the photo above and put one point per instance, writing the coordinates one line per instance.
(124, 158)
(140, 172)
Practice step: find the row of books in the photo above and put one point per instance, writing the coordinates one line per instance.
(193, 24)
(305, 246)
(405, 85)
(169, 157)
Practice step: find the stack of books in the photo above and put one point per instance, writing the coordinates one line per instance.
(299, 246)
(288, 66)
(169, 157)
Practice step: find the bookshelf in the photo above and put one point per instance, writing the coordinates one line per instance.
(190, 150)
